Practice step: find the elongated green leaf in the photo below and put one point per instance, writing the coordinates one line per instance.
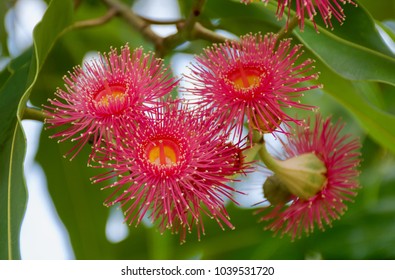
(13, 97)
(389, 27)
(356, 52)
(4, 6)
(359, 28)
(12, 193)
(348, 59)
(11, 92)
(78, 202)
(376, 122)
(240, 19)
(12, 152)
(55, 21)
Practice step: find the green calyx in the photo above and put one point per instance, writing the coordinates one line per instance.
(275, 191)
(303, 176)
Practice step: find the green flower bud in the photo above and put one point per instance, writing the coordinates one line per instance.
(303, 176)
(275, 191)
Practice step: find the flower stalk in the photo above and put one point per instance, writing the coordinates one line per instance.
(34, 114)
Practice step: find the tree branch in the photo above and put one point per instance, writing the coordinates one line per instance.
(195, 12)
(200, 32)
(161, 22)
(97, 21)
(34, 114)
(186, 28)
(136, 22)
(288, 27)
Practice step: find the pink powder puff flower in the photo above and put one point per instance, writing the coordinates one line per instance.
(107, 94)
(312, 185)
(327, 9)
(174, 167)
(251, 78)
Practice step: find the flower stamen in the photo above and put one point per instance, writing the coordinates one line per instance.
(245, 78)
(110, 95)
(163, 152)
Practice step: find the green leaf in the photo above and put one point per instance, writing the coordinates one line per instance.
(380, 9)
(12, 193)
(11, 92)
(254, 17)
(359, 27)
(4, 6)
(12, 152)
(78, 203)
(379, 124)
(356, 52)
(54, 23)
(389, 27)
(13, 97)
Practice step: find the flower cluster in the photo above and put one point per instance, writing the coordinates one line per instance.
(171, 160)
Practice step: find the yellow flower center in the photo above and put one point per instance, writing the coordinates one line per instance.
(110, 95)
(245, 78)
(163, 152)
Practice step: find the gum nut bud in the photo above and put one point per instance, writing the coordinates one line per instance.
(275, 191)
(303, 176)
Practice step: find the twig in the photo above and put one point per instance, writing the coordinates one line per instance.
(161, 22)
(34, 114)
(186, 28)
(136, 22)
(195, 12)
(288, 27)
(200, 32)
(97, 21)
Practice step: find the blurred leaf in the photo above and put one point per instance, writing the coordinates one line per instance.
(355, 54)
(359, 28)
(16, 75)
(13, 97)
(380, 10)
(240, 19)
(12, 153)
(12, 193)
(56, 19)
(376, 122)
(390, 24)
(185, 7)
(5, 5)
(78, 203)
(389, 28)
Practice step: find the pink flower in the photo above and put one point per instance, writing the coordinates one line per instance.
(310, 8)
(173, 168)
(108, 94)
(294, 214)
(252, 78)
